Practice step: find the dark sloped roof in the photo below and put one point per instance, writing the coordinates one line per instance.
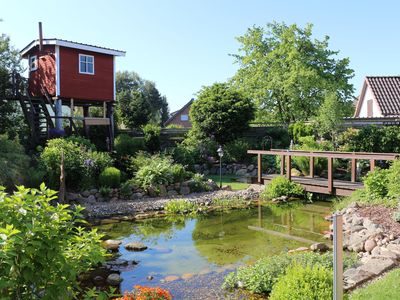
(386, 90)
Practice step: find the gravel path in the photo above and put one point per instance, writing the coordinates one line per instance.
(131, 207)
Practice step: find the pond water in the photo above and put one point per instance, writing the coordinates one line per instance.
(206, 247)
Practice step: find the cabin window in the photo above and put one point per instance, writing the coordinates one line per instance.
(370, 108)
(184, 117)
(86, 64)
(33, 65)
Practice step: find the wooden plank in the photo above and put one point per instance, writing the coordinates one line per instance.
(259, 170)
(96, 121)
(283, 157)
(330, 175)
(289, 167)
(372, 165)
(312, 166)
(353, 170)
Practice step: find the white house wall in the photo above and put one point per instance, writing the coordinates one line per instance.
(376, 112)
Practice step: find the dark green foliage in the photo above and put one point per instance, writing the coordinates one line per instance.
(81, 165)
(110, 177)
(186, 155)
(372, 139)
(304, 282)
(126, 145)
(81, 141)
(198, 183)
(105, 192)
(126, 189)
(133, 109)
(42, 248)
(35, 176)
(288, 73)
(376, 183)
(262, 276)
(13, 162)
(236, 151)
(281, 186)
(152, 137)
(221, 113)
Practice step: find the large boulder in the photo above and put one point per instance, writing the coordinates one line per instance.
(112, 245)
(241, 172)
(319, 247)
(114, 279)
(369, 245)
(135, 246)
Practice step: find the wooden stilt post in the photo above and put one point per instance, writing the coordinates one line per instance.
(104, 109)
(259, 170)
(312, 166)
(86, 115)
(72, 107)
(289, 167)
(353, 170)
(330, 175)
(283, 164)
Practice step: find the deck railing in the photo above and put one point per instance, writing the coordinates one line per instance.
(286, 158)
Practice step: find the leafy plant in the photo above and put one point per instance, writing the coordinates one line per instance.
(81, 141)
(152, 137)
(236, 151)
(180, 206)
(126, 189)
(376, 183)
(105, 192)
(300, 129)
(126, 145)
(110, 177)
(13, 162)
(198, 183)
(43, 249)
(281, 186)
(304, 282)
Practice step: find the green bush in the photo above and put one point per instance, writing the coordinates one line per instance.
(180, 206)
(262, 276)
(236, 151)
(42, 248)
(299, 130)
(281, 186)
(34, 177)
(186, 155)
(152, 137)
(198, 183)
(110, 177)
(105, 192)
(81, 141)
(82, 166)
(125, 190)
(376, 183)
(304, 282)
(126, 145)
(13, 162)
(393, 177)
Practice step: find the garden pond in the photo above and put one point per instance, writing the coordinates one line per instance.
(191, 255)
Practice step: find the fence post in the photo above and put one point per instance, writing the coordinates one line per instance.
(312, 166)
(353, 170)
(337, 257)
(372, 165)
(259, 171)
(289, 167)
(330, 175)
(283, 157)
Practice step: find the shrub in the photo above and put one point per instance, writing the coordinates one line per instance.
(34, 177)
(198, 183)
(180, 206)
(81, 141)
(186, 155)
(393, 177)
(304, 282)
(152, 137)
(125, 190)
(126, 145)
(376, 183)
(236, 151)
(13, 162)
(262, 276)
(81, 164)
(281, 186)
(105, 192)
(42, 248)
(110, 177)
(299, 130)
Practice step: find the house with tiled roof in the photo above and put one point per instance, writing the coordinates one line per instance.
(181, 117)
(379, 98)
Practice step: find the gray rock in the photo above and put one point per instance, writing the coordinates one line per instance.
(356, 228)
(369, 245)
(135, 246)
(91, 199)
(254, 173)
(370, 226)
(357, 278)
(72, 197)
(163, 190)
(135, 196)
(101, 199)
(149, 277)
(85, 194)
(98, 280)
(114, 279)
(357, 220)
(118, 262)
(376, 251)
(350, 272)
(356, 242)
(250, 168)
(172, 193)
(112, 244)
(184, 190)
(389, 254)
(377, 266)
(241, 172)
(93, 191)
(394, 248)
(319, 247)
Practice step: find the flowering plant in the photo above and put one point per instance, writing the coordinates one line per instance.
(146, 293)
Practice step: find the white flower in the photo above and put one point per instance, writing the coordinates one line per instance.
(3, 236)
(22, 211)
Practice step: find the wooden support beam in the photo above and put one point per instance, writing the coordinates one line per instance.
(289, 167)
(353, 170)
(330, 175)
(104, 109)
(372, 165)
(259, 170)
(283, 157)
(312, 166)
(72, 107)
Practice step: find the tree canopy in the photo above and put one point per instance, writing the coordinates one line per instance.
(221, 112)
(139, 101)
(287, 73)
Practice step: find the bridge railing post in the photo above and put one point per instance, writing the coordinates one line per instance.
(330, 175)
(259, 170)
(283, 164)
(372, 165)
(312, 166)
(353, 170)
(289, 167)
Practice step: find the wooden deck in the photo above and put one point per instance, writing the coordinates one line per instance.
(320, 185)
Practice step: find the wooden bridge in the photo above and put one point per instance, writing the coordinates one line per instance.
(314, 184)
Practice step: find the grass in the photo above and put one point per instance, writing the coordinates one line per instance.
(229, 180)
(385, 288)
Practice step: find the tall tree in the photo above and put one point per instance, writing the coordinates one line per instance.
(221, 112)
(131, 86)
(287, 73)
(11, 119)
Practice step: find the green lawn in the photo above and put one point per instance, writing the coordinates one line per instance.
(386, 288)
(230, 180)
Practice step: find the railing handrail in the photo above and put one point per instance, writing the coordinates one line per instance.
(328, 154)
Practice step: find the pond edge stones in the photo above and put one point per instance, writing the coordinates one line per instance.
(135, 246)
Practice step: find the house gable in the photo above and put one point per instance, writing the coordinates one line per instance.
(367, 105)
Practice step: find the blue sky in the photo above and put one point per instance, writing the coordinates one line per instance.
(183, 45)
